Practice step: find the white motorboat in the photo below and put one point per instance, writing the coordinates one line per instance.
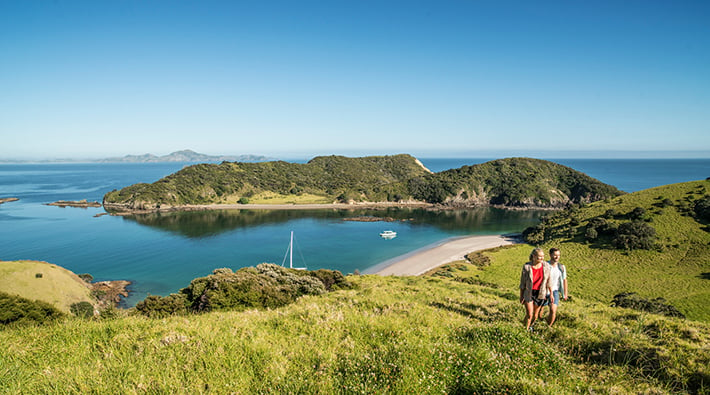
(388, 234)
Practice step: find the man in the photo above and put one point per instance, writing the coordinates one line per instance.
(558, 277)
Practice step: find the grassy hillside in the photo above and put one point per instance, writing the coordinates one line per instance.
(44, 281)
(388, 335)
(677, 268)
(458, 330)
(519, 182)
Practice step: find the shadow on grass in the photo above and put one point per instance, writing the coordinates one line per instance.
(705, 276)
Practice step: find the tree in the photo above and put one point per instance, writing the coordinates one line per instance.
(637, 213)
(635, 235)
(591, 234)
(535, 235)
(702, 209)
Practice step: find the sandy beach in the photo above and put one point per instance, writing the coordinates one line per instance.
(421, 261)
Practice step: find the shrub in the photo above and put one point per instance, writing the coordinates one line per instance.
(82, 309)
(478, 259)
(158, 307)
(332, 279)
(86, 277)
(16, 309)
(296, 282)
(591, 234)
(243, 200)
(596, 223)
(110, 313)
(635, 235)
(266, 286)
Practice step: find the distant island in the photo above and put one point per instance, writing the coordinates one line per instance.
(184, 156)
(177, 156)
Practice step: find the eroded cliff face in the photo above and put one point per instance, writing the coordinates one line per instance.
(133, 206)
(482, 198)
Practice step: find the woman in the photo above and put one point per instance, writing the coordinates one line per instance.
(534, 286)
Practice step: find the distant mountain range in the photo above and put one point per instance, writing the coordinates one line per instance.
(184, 156)
(178, 156)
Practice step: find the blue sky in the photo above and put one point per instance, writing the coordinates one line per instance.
(91, 79)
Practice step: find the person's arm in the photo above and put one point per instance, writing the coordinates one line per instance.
(564, 284)
(549, 282)
(522, 284)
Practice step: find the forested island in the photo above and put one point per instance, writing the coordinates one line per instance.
(396, 179)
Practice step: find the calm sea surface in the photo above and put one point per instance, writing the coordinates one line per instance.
(162, 253)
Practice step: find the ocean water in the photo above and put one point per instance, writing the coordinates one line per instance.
(161, 253)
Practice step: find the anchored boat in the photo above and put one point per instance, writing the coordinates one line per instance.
(289, 253)
(388, 234)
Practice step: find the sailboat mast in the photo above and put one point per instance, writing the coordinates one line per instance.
(290, 252)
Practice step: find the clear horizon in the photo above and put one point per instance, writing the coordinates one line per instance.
(492, 154)
(85, 79)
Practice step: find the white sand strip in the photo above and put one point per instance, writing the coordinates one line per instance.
(421, 261)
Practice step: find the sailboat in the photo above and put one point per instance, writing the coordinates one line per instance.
(289, 253)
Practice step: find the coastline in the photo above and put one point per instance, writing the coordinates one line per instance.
(119, 210)
(424, 259)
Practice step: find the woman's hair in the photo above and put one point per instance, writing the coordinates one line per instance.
(534, 252)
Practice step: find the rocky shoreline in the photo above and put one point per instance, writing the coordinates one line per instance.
(131, 209)
(119, 209)
(74, 203)
(375, 219)
(109, 293)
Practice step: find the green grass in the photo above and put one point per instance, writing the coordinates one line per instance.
(676, 271)
(275, 198)
(44, 281)
(390, 335)
(459, 330)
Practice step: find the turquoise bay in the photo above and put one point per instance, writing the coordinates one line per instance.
(161, 253)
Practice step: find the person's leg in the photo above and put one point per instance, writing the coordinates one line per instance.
(536, 312)
(540, 312)
(529, 311)
(553, 308)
